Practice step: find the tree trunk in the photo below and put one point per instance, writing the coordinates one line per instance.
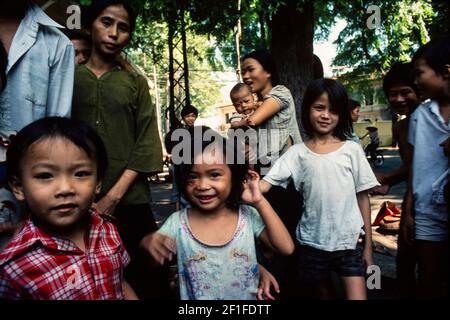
(292, 29)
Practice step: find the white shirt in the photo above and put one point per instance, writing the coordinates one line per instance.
(329, 183)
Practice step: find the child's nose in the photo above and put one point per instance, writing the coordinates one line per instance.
(202, 184)
(325, 114)
(65, 187)
(399, 98)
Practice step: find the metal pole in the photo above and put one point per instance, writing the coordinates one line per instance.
(185, 60)
(238, 43)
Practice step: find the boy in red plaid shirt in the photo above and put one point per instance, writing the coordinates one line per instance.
(65, 249)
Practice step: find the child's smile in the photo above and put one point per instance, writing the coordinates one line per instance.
(209, 184)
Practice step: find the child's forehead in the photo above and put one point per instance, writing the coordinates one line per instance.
(54, 146)
(421, 62)
(210, 156)
(241, 92)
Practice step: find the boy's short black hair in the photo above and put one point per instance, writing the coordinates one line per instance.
(3, 65)
(97, 7)
(436, 54)
(400, 74)
(238, 86)
(337, 95)
(78, 132)
(231, 151)
(189, 109)
(265, 58)
(353, 104)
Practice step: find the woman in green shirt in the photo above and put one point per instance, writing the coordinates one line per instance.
(116, 103)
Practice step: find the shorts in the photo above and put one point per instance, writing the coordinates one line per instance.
(316, 265)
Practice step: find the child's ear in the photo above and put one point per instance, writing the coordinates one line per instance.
(98, 187)
(17, 188)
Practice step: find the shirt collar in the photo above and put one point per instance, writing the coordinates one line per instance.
(30, 235)
(27, 32)
(36, 15)
(433, 106)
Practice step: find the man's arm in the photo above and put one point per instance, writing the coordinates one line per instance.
(264, 186)
(61, 82)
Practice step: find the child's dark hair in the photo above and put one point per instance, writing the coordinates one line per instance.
(265, 58)
(337, 95)
(400, 74)
(231, 153)
(189, 109)
(3, 65)
(239, 86)
(353, 104)
(97, 7)
(436, 54)
(78, 132)
(77, 35)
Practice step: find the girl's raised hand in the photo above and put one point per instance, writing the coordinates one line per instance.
(160, 246)
(251, 194)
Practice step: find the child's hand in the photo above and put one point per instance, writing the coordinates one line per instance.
(380, 190)
(368, 256)
(252, 194)
(7, 227)
(160, 246)
(266, 281)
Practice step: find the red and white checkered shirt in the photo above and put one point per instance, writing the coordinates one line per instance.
(35, 265)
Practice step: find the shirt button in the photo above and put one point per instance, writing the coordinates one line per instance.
(97, 122)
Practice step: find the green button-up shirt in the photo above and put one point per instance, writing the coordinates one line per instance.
(118, 106)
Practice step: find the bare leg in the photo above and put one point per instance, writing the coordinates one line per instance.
(355, 288)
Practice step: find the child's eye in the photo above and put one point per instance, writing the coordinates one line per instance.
(215, 174)
(191, 177)
(405, 92)
(334, 111)
(83, 174)
(43, 176)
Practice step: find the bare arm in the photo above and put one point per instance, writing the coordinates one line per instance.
(264, 186)
(108, 203)
(268, 108)
(275, 235)
(364, 206)
(266, 282)
(407, 217)
(129, 292)
(239, 124)
(394, 177)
